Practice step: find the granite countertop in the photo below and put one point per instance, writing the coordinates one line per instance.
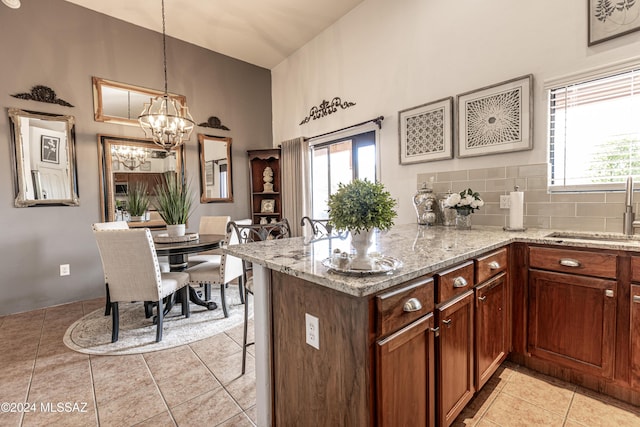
(422, 250)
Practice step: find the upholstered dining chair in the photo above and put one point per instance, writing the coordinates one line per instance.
(104, 226)
(210, 225)
(255, 233)
(130, 262)
(214, 273)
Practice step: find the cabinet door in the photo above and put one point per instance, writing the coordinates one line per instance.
(491, 327)
(455, 357)
(572, 321)
(405, 376)
(635, 336)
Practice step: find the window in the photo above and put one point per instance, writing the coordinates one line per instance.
(594, 132)
(340, 161)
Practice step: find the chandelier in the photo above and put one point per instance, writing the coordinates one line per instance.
(164, 119)
(130, 157)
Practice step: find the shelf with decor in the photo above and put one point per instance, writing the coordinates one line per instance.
(266, 200)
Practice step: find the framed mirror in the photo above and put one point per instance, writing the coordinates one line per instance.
(215, 169)
(44, 159)
(121, 103)
(125, 162)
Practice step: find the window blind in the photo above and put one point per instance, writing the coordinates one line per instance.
(594, 132)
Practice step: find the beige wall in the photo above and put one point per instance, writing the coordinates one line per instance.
(600, 211)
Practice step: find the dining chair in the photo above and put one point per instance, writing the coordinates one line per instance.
(209, 225)
(104, 226)
(130, 262)
(213, 273)
(254, 233)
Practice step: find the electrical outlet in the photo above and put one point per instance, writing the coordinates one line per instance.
(312, 330)
(64, 270)
(505, 202)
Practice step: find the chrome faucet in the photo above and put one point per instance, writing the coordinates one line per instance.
(628, 217)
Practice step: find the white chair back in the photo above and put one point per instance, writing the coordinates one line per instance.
(231, 266)
(130, 262)
(113, 225)
(213, 224)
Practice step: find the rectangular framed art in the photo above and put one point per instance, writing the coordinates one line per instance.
(496, 118)
(609, 19)
(49, 149)
(425, 132)
(267, 206)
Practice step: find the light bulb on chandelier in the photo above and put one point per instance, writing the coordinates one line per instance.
(164, 119)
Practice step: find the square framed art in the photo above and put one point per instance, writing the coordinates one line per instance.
(425, 132)
(611, 19)
(496, 118)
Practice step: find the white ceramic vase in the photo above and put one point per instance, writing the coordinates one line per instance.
(360, 242)
(176, 230)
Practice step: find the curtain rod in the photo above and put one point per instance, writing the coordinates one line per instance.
(378, 120)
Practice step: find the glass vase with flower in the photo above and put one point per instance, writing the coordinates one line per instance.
(465, 203)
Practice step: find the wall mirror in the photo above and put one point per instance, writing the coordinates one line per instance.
(44, 163)
(215, 169)
(122, 103)
(126, 161)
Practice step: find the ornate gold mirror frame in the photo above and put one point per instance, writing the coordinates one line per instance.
(122, 103)
(44, 160)
(215, 169)
(117, 174)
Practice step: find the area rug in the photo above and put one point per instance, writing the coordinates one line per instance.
(92, 333)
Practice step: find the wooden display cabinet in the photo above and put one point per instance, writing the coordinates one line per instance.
(265, 204)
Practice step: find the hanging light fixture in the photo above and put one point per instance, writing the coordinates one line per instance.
(130, 157)
(164, 119)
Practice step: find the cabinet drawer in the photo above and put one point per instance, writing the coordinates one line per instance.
(490, 265)
(399, 307)
(635, 268)
(453, 282)
(575, 262)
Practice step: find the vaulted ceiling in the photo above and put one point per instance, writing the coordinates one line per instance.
(261, 32)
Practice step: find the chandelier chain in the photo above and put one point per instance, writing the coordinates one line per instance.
(164, 49)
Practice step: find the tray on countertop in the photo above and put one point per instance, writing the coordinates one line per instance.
(383, 265)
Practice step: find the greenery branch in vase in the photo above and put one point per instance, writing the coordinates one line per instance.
(174, 202)
(138, 201)
(360, 207)
(465, 203)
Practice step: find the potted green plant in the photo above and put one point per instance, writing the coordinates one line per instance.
(360, 207)
(174, 202)
(137, 201)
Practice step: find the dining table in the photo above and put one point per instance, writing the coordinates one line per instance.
(178, 253)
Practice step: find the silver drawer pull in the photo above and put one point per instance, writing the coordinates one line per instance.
(482, 298)
(494, 265)
(459, 282)
(413, 304)
(608, 293)
(568, 262)
(447, 322)
(636, 298)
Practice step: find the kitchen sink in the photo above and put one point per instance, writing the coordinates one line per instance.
(602, 237)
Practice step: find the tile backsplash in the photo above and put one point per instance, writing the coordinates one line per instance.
(594, 211)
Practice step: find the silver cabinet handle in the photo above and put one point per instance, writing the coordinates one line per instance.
(482, 298)
(459, 282)
(447, 322)
(636, 298)
(413, 304)
(494, 265)
(608, 293)
(568, 262)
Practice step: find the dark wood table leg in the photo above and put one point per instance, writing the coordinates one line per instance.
(179, 263)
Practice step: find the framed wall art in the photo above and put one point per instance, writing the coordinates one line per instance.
(267, 206)
(496, 118)
(49, 149)
(425, 132)
(609, 19)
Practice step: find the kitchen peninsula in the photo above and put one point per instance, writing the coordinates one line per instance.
(353, 378)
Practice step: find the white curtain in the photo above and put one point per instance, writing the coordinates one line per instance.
(296, 182)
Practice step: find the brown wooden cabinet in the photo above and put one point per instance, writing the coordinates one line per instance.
(635, 336)
(454, 352)
(405, 361)
(264, 203)
(572, 317)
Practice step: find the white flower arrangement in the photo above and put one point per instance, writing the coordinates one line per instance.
(465, 202)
